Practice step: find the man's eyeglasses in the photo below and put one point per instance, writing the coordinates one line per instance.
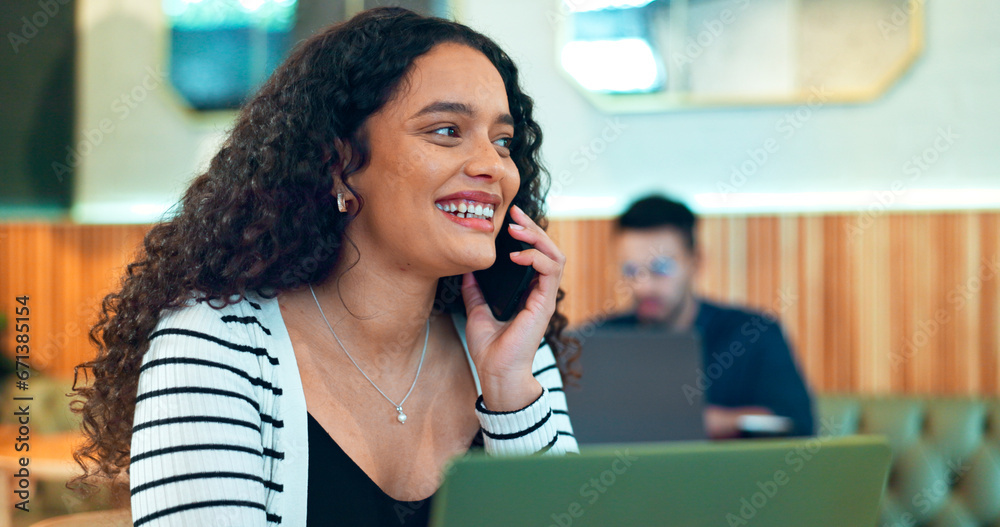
(662, 266)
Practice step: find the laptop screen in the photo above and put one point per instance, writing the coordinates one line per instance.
(632, 387)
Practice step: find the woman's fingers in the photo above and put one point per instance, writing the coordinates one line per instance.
(545, 257)
(471, 293)
(541, 262)
(534, 235)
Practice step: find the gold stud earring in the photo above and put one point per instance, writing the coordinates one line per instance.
(341, 204)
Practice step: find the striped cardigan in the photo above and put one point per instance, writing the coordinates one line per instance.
(220, 431)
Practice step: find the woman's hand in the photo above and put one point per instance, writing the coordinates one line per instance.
(504, 351)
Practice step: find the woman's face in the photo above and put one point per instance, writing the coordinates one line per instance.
(440, 175)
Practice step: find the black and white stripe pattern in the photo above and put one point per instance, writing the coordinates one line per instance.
(198, 455)
(220, 420)
(543, 427)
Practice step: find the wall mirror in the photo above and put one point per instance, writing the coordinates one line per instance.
(220, 51)
(650, 55)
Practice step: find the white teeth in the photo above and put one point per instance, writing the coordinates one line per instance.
(464, 209)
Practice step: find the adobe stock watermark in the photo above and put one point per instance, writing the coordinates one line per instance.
(898, 18)
(795, 460)
(31, 25)
(592, 490)
(786, 127)
(406, 509)
(564, 9)
(752, 331)
(957, 298)
(914, 168)
(926, 498)
(695, 46)
(78, 328)
(122, 107)
(323, 251)
(582, 157)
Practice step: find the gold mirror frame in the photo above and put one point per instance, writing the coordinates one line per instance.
(668, 99)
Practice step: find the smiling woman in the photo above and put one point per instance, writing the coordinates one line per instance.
(445, 139)
(317, 279)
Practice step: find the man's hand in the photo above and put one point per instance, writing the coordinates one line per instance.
(722, 422)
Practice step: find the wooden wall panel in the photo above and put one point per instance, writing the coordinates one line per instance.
(900, 303)
(904, 303)
(65, 270)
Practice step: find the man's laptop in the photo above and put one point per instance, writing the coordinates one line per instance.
(821, 481)
(637, 385)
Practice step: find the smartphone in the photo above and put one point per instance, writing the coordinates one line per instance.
(505, 285)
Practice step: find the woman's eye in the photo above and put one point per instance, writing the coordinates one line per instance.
(505, 141)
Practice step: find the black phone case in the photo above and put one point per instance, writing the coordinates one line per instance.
(505, 285)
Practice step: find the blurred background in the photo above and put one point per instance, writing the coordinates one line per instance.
(841, 155)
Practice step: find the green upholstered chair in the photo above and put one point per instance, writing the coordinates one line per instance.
(946, 455)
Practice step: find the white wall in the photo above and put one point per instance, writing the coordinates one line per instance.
(139, 146)
(852, 151)
(842, 157)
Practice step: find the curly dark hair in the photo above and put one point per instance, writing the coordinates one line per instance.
(262, 218)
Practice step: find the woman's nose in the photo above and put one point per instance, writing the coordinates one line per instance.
(485, 161)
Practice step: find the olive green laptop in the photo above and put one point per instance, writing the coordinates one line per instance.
(817, 482)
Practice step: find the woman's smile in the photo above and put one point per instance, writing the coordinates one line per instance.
(472, 209)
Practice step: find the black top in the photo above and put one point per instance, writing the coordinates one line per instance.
(746, 362)
(340, 493)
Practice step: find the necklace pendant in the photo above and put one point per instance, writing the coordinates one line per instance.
(401, 417)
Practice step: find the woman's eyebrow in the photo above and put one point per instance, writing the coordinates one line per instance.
(459, 108)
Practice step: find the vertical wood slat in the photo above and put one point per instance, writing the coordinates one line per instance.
(858, 305)
(834, 357)
(989, 307)
(972, 348)
(788, 280)
(921, 327)
(811, 306)
(736, 264)
(872, 264)
(711, 258)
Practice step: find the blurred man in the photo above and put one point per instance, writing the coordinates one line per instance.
(747, 366)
